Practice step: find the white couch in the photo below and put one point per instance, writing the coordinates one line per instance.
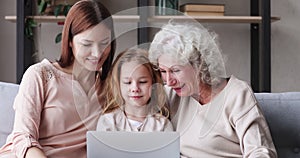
(282, 112)
(8, 92)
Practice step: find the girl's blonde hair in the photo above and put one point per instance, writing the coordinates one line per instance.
(112, 91)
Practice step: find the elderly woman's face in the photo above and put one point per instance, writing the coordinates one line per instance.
(180, 77)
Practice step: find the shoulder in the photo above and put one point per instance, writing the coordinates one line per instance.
(34, 76)
(240, 98)
(239, 89)
(43, 70)
(159, 118)
(113, 116)
(110, 121)
(161, 122)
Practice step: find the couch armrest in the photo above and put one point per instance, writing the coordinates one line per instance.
(282, 112)
(8, 92)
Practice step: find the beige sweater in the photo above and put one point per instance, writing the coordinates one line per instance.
(117, 121)
(231, 125)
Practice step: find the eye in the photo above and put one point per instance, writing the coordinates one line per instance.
(143, 82)
(126, 82)
(104, 43)
(162, 71)
(86, 44)
(175, 70)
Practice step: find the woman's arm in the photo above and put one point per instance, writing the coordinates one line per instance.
(28, 106)
(254, 134)
(34, 152)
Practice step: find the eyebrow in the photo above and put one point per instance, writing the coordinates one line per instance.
(172, 67)
(87, 40)
(143, 77)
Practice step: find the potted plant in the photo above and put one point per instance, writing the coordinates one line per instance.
(49, 7)
(54, 7)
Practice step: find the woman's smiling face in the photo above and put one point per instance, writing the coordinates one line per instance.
(180, 77)
(92, 47)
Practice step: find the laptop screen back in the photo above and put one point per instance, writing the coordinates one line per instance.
(119, 144)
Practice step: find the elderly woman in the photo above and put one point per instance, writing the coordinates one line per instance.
(216, 115)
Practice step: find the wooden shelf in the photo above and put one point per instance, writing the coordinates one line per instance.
(135, 18)
(210, 19)
(55, 19)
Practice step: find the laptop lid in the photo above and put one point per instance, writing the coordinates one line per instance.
(120, 144)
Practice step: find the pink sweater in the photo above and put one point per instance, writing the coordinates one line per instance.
(53, 113)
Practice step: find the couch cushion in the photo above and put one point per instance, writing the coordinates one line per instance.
(8, 92)
(282, 112)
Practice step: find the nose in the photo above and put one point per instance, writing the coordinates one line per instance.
(170, 79)
(134, 87)
(97, 51)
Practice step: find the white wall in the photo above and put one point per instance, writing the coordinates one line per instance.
(286, 46)
(234, 39)
(7, 42)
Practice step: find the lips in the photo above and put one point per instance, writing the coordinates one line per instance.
(93, 60)
(135, 97)
(178, 89)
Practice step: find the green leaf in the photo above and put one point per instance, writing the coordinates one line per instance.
(32, 23)
(42, 6)
(66, 9)
(58, 38)
(29, 25)
(57, 9)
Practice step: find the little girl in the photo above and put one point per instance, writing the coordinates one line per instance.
(135, 96)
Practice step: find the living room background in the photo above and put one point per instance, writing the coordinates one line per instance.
(234, 40)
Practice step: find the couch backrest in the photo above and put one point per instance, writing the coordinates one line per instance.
(8, 92)
(282, 112)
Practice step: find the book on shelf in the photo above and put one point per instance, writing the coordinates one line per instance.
(202, 7)
(198, 13)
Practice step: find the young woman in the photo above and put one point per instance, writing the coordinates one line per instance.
(216, 115)
(135, 97)
(57, 102)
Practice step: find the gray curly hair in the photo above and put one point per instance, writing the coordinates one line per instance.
(192, 44)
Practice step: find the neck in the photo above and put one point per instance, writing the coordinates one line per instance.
(80, 74)
(207, 92)
(138, 114)
(85, 77)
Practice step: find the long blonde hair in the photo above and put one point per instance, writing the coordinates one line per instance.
(112, 92)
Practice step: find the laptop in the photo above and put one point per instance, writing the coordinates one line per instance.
(120, 144)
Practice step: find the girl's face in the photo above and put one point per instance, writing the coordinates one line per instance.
(135, 84)
(92, 47)
(180, 77)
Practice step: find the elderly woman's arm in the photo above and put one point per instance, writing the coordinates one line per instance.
(254, 135)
